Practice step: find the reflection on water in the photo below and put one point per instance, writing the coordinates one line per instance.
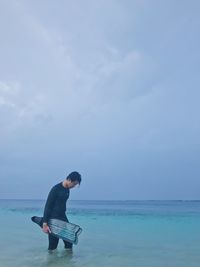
(59, 258)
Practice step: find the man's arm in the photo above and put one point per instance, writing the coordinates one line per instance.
(47, 210)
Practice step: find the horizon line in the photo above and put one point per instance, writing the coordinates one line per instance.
(38, 199)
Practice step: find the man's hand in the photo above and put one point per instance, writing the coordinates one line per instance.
(45, 228)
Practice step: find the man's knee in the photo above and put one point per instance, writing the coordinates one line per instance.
(68, 245)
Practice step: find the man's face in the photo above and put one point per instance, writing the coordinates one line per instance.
(72, 184)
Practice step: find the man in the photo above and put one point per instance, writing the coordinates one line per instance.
(55, 207)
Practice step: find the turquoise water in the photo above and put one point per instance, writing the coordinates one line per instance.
(115, 233)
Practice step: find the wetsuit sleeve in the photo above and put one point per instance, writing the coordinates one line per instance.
(49, 204)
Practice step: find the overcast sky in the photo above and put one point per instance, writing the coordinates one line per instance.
(108, 88)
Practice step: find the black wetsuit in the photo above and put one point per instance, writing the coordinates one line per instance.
(55, 208)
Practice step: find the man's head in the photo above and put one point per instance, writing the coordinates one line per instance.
(73, 179)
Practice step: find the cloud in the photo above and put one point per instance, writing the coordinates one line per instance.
(98, 85)
(126, 78)
(8, 92)
(87, 79)
(19, 108)
(9, 88)
(86, 83)
(4, 102)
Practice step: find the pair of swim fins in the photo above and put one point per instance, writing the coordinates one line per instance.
(61, 229)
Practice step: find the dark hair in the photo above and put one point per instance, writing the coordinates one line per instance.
(74, 176)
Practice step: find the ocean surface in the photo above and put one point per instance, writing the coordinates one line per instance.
(115, 234)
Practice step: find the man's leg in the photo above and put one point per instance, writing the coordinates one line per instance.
(68, 245)
(53, 242)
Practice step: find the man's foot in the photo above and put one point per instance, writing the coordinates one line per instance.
(69, 250)
(51, 251)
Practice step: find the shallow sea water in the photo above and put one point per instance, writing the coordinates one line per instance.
(115, 233)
